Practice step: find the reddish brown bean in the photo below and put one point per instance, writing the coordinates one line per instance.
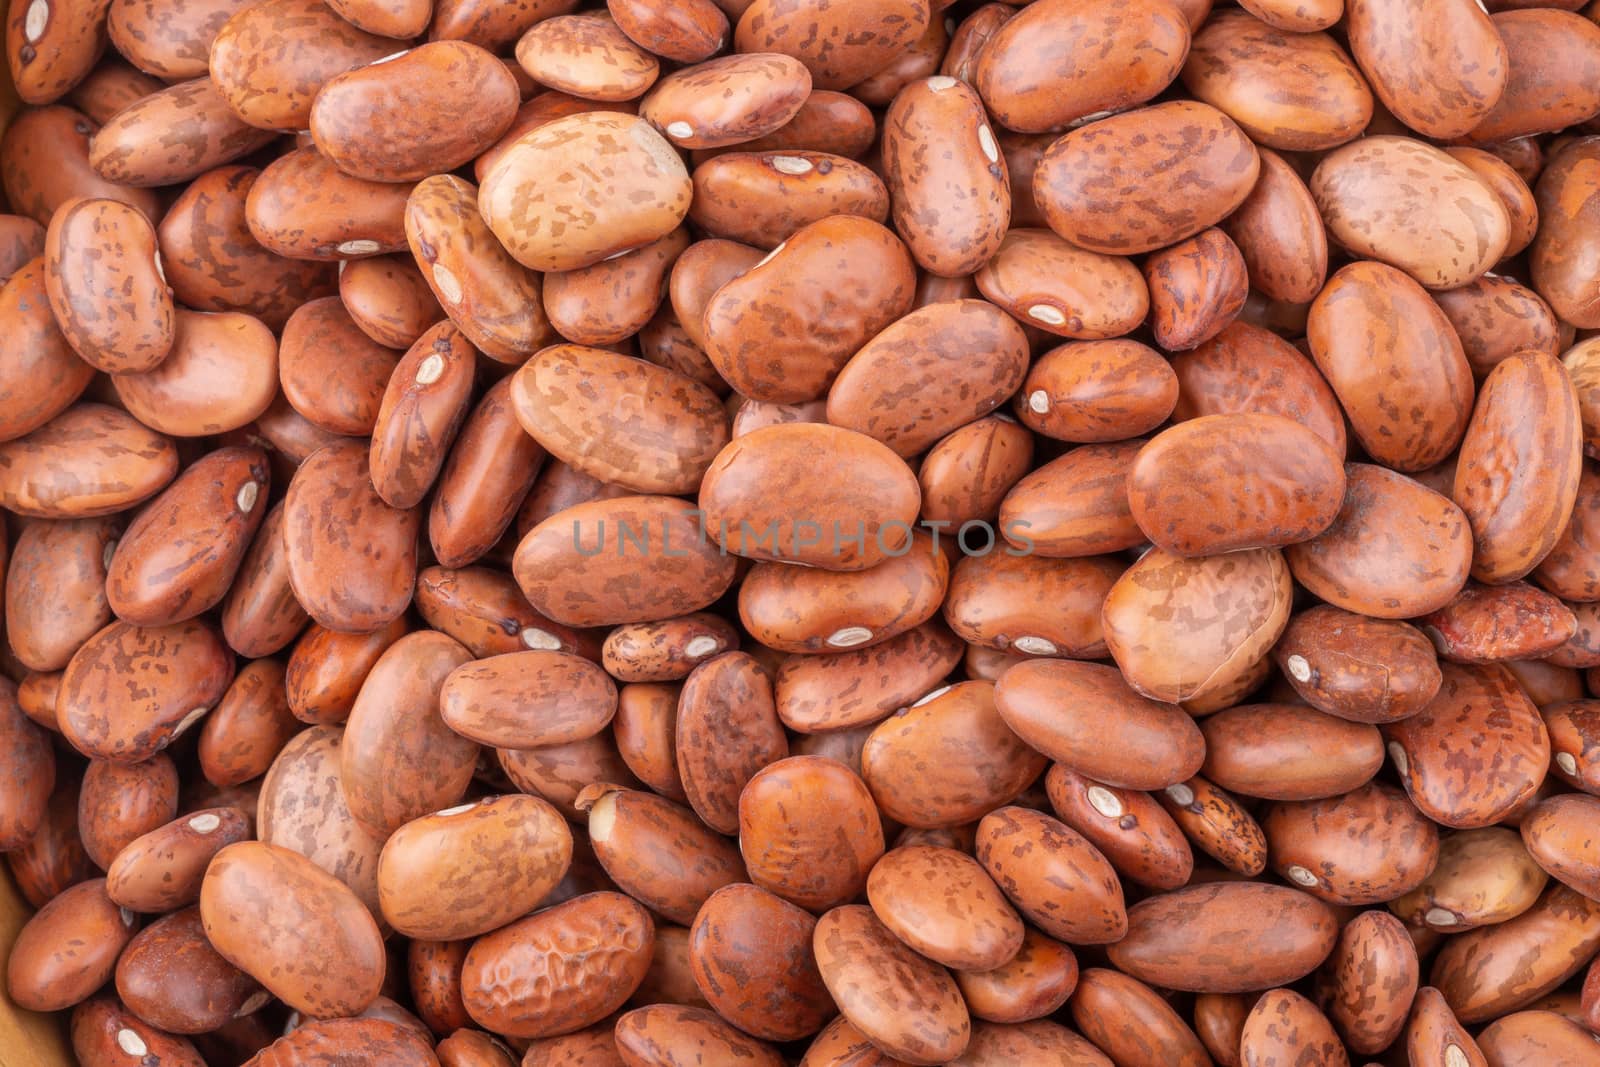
(1438, 750)
(103, 1031)
(1362, 669)
(1280, 480)
(46, 162)
(331, 371)
(752, 958)
(283, 920)
(118, 802)
(68, 949)
(1527, 417)
(809, 832)
(831, 43)
(1227, 937)
(1427, 548)
(470, 869)
(561, 969)
(1127, 1019)
(1181, 629)
(171, 977)
(657, 851)
(727, 730)
(88, 461)
(136, 146)
(213, 262)
(930, 373)
(303, 207)
(909, 1006)
(966, 925)
(1368, 846)
(352, 557)
(1056, 878)
(1369, 981)
(400, 96)
(1489, 623)
(177, 673)
(1045, 702)
(773, 336)
(1062, 289)
(161, 871)
(399, 760)
(1407, 176)
(1487, 972)
(1091, 391)
(1034, 77)
(1088, 179)
(563, 561)
(959, 728)
(631, 162)
(270, 59)
(1289, 752)
(1196, 288)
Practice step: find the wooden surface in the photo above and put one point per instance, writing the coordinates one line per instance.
(26, 1039)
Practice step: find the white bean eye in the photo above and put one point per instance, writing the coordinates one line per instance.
(1047, 314)
(249, 492)
(602, 817)
(791, 165)
(1567, 762)
(936, 694)
(1299, 668)
(1300, 876)
(1104, 801)
(447, 284)
(701, 646)
(1035, 646)
(991, 151)
(541, 640)
(680, 130)
(132, 1043)
(1397, 753)
(1181, 794)
(205, 824)
(849, 637)
(33, 27)
(362, 247)
(941, 82)
(189, 720)
(256, 1002)
(431, 370)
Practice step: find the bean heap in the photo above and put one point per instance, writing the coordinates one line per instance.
(825, 532)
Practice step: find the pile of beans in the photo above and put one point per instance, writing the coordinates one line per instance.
(826, 532)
